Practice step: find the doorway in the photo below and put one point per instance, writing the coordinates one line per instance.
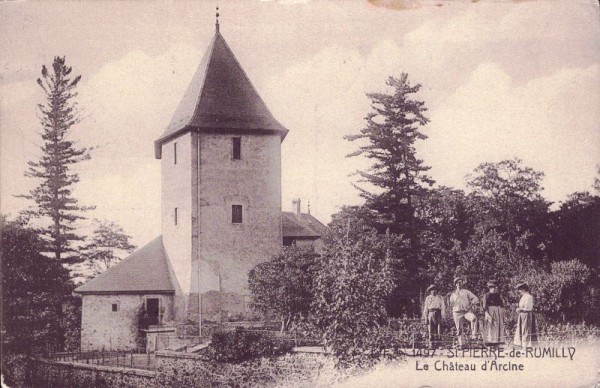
(153, 309)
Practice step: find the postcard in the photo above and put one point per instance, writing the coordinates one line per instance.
(300, 193)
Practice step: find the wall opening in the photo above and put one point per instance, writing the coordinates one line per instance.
(237, 148)
(236, 214)
(153, 310)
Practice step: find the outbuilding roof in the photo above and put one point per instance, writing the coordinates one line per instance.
(145, 270)
(220, 97)
(301, 225)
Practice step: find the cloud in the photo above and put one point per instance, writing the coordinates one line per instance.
(485, 103)
(125, 106)
(550, 123)
(500, 81)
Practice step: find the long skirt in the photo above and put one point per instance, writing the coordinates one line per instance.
(526, 330)
(494, 328)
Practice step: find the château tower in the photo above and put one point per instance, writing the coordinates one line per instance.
(221, 186)
(221, 215)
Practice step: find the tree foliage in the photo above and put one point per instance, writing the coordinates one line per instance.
(563, 291)
(53, 196)
(105, 248)
(34, 291)
(391, 131)
(354, 281)
(448, 226)
(506, 199)
(283, 286)
(576, 230)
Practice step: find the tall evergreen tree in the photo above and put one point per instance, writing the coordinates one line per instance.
(53, 197)
(392, 129)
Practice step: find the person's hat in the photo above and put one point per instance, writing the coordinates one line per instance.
(522, 286)
(457, 279)
(492, 283)
(432, 287)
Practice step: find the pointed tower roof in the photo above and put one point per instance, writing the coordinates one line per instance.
(220, 99)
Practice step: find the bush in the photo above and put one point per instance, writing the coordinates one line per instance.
(282, 286)
(240, 345)
(564, 332)
(405, 329)
(352, 287)
(15, 369)
(564, 292)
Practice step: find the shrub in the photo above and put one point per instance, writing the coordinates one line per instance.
(282, 286)
(143, 323)
(240, 345)
(564, 292)
(564, 332)
(355, 279)
(15, 369)
(407, 329)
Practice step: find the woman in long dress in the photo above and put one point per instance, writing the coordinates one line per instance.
(493, 306)
(526, 330)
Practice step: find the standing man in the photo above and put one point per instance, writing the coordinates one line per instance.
(434, 309)
(462, 302)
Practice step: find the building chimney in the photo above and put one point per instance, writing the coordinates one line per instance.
(296, 205)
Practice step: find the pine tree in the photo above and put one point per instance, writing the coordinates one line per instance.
(392, 129)
(53, 197)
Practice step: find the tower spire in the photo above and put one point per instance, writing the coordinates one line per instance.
(217, 17)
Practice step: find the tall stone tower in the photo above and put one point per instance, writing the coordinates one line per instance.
(221, 186)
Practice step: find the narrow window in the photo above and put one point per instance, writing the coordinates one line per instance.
(236, 214)
(237, 148)
(175, 153)
(175, 216)
(115, 307)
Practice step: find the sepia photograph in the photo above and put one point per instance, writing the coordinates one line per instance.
(300, 193)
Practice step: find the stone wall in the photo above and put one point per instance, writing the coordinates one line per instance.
(190, 370)
(66, 374)
(206, 250)
(228, 251)
(102, 328)
(297, 369)
(176, 192)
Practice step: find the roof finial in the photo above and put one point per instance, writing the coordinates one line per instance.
(308, 207)
(217, 16)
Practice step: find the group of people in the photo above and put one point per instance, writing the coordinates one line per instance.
(463, 304)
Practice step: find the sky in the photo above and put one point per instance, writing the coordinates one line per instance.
(500, 80)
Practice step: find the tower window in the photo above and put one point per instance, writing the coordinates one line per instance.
(237, 148)
(115, 307)
(175, 153)
(175, 216)
(236, 214)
